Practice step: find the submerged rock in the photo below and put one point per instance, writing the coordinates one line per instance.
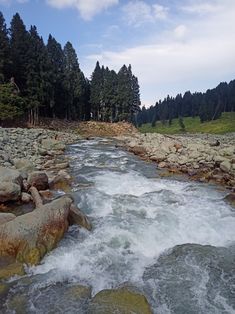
(121, 301)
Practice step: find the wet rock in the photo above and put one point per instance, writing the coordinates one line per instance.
(29, 237)
(76, 217)
(4, 289)
(39, 180)
(15, 269)
(5, 217)
(62, 165)
(119, 301)
(230, 198)
(61, 182)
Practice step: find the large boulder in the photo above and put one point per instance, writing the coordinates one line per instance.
(29, 237)
(39, 180)
(119, 301)
(5, 217)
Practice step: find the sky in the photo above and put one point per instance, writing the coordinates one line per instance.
(172, 45)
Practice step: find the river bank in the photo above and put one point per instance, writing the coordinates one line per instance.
(205, 158)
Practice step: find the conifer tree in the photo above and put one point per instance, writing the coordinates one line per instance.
(19, 45)
(4, 50)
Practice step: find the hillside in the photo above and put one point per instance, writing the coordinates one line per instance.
(193, 125)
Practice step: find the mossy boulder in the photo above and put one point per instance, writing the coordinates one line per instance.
(123, 301)
(11, 270)
(29, 237)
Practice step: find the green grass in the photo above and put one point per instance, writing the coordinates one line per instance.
(223, 125)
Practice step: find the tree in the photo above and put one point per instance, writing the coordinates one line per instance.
(56, 96)
(74, 82)
(11, 104)
(19, 45)
(181, 124)
(4, 50)
(96, 91)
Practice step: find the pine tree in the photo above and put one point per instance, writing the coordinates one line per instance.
(19, 44)
(4, 51)
(56, 97)
(96, 89)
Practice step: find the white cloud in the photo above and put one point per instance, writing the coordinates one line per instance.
(202, 8)
(9, 2)
(160, 12)
(205, 57)
(180, 31)
(87, 8)
(139, 12)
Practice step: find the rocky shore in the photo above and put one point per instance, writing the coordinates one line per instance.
(32, 168)
(206, 158)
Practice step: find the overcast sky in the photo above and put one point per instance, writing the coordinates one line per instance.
(173, 45)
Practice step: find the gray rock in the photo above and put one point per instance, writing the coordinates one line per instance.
(9, 191)
(5, 217)
(225, 166)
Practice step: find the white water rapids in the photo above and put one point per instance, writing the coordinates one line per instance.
(137, 216)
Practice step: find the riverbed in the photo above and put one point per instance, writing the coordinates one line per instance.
(172, 239)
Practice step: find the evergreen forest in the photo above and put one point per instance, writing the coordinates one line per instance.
(45, 80)
(208, 106)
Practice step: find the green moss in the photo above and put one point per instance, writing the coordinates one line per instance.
(119, 301)
(223, 125)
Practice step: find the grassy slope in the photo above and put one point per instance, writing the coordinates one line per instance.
(223, 125)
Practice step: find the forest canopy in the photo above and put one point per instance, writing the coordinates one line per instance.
(45, 80)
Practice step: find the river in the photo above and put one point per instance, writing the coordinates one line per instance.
(172, 239)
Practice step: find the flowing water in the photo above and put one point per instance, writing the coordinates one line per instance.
(172, 239)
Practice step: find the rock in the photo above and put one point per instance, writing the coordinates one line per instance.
(39, 180)
(4, 289)
(177, 146)
(158, 157)
(29, 237)
(225, 166)
(9, 191)
(11, 270)
(162, 164)
(24, 165)
(138, 150)
(26, 198)
(230, 198)
(5, 217)
(10, 175)
(121, 301)
(61, 182)
(62, 165)
(52, 144)
(76, 217)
